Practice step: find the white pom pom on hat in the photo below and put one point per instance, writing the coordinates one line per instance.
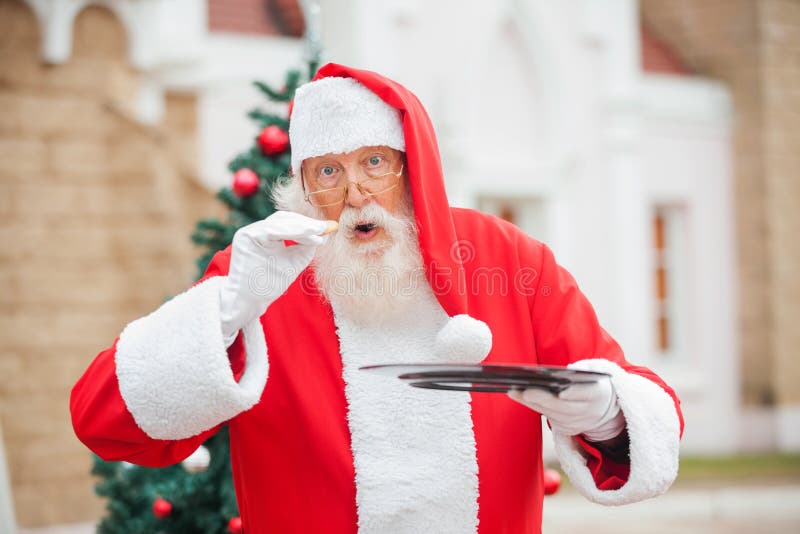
(463, 339)
(339, 115)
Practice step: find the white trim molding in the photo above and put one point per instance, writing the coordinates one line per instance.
(787, 425)
(154, 38)
(7, 521)
(770, 428)
(156, 41)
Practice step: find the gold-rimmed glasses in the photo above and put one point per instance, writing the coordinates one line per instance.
(368, 187)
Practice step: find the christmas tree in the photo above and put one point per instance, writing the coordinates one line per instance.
(197, 495)
(254, 174)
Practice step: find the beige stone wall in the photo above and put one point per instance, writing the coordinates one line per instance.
(754, 46)
(779, 50)
(95, 217)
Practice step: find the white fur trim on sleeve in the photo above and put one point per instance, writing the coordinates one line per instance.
(173, 368)
(654, 432)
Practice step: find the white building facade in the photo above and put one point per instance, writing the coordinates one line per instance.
(544, 113)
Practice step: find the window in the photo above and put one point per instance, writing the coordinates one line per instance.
(527, 213)
(669, 279)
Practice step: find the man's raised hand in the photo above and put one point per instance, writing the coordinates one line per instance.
(263, 267)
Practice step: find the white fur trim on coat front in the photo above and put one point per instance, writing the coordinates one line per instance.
(413, 449)
(173, 368)
(654, 432)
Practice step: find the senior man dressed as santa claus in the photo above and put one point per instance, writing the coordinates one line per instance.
(271, 340)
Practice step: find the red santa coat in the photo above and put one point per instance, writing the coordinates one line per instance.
(316, 447)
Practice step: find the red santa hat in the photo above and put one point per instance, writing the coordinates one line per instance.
(375, 110)
(339, 115)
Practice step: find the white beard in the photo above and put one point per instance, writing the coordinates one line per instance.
(367, 282)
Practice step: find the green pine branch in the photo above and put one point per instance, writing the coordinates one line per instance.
(264, 119)
(290, 85)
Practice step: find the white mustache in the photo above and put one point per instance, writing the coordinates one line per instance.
(370, 214)
(374, 214)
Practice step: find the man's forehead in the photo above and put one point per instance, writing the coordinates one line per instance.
(362, 151)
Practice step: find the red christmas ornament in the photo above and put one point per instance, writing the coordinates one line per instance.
(273, 140)
(552, 481)
(162, 508)
(245, 182)
(235, 525)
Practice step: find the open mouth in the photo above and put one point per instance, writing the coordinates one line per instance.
(365, 230)
(365, 227)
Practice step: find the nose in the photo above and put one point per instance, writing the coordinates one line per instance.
(355, 197)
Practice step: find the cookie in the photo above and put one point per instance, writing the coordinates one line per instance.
(332, 227)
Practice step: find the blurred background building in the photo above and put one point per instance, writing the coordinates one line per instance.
(654, 145)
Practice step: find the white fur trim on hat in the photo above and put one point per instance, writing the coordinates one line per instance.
(339, 115)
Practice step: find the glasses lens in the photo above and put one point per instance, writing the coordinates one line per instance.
(326, 198)
(379, 184)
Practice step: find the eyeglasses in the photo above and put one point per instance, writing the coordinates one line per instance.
(368, 187)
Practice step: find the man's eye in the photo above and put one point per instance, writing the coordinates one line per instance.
(327, 171)
(375, 160)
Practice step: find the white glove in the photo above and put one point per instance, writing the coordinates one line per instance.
(263, 267)
(588, 409)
